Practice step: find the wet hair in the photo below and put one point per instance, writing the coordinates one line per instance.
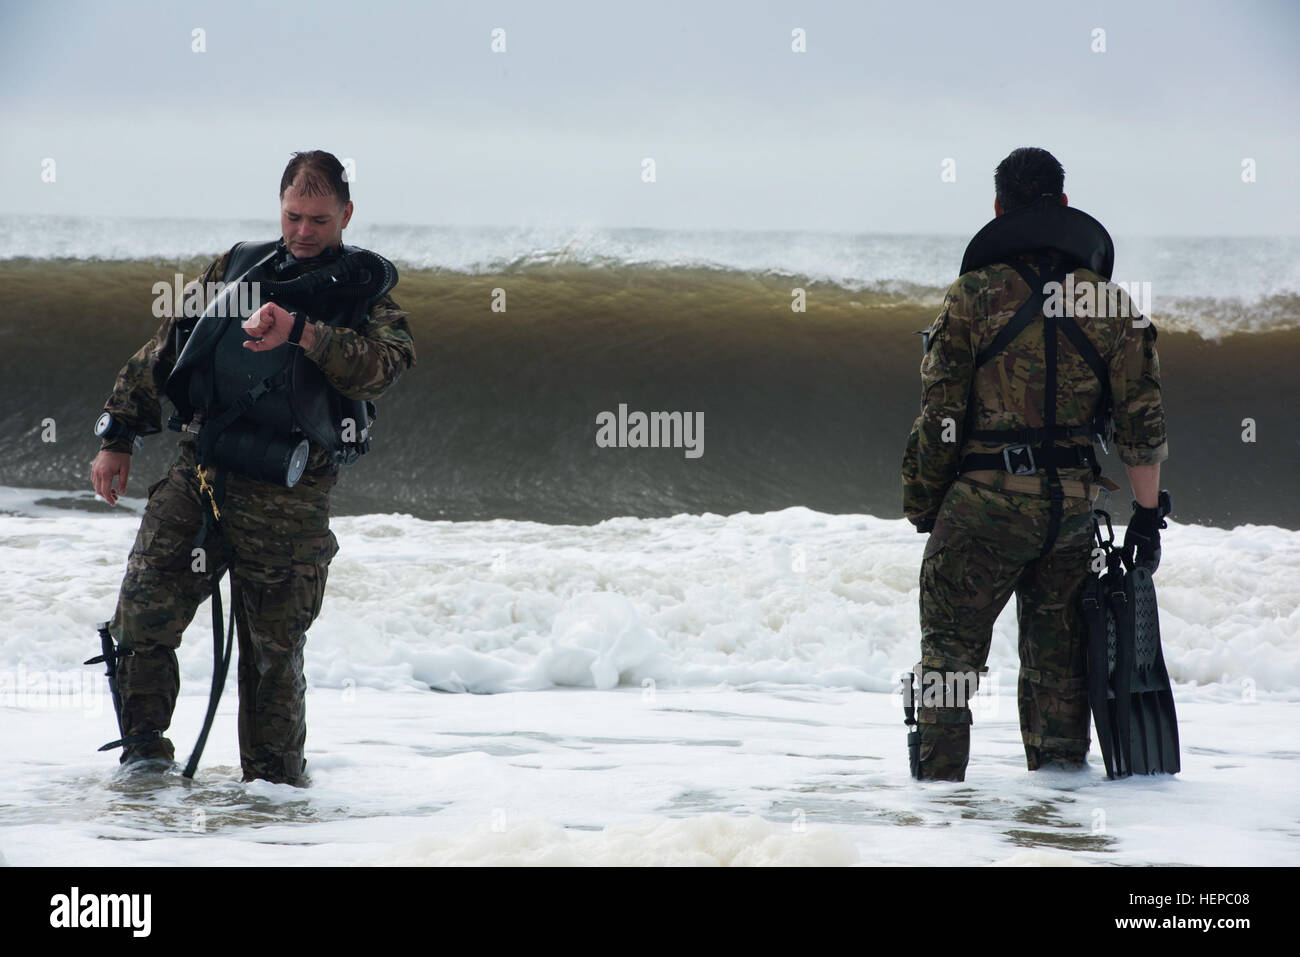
(322, 175)
(1026, 176)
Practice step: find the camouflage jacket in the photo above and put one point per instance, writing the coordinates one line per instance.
(359, 364)
(1007, 392)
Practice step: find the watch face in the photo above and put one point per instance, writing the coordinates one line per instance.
(102, 423)
(297, 463)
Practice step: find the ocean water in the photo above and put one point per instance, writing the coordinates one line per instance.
(499, 417)
(1212, 286)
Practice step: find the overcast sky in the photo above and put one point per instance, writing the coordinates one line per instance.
(744, 133)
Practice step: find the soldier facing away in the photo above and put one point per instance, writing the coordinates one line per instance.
(269, 409)
(1001, 470)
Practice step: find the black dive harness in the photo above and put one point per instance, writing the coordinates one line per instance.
(1084, 243)
(257, 413)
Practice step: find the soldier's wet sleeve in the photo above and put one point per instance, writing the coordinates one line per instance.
(362, 364)
(1135, 385)
(930, 462)
(136, 399)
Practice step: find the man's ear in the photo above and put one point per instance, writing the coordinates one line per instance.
(347, 214)
(1065, 200)
(997, 208)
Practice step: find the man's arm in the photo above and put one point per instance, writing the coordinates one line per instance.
(930, 462)
(363, 364)
(1139, 411)
(136, 400)
(1145, 480)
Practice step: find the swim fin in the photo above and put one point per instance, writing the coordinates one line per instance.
(1101, 658)
(1128, 684)
(1151, 726)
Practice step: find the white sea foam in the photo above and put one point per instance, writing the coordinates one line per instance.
(790, 597)
(710, 840)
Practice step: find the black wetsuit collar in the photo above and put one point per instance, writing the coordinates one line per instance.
(287, 265)
(1044, 225)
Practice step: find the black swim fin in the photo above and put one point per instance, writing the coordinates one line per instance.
(1128, 684)
(1101, 665)
(1152, 723)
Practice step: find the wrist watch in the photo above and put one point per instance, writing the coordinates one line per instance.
(110, 429)
(299, 321)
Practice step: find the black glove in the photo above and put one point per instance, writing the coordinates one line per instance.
(1142, 540)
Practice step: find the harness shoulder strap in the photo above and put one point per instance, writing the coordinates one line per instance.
(1050, 390)
(1083, 345)
(1023, 316)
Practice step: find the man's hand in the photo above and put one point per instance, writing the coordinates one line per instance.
(1142, 540)
(270, 327)
(107, 467)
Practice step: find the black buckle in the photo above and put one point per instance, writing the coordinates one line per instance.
(1019, 460)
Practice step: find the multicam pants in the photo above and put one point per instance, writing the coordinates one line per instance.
(984, 546)
(277, 545)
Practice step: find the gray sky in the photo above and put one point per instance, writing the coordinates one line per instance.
(745, 133)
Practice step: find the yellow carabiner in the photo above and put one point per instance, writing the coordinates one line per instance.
(205, 488)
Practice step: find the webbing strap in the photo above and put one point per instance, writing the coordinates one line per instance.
(1036, 677)
(131, 739)
(944, 716)
(1069, 457)
(211, 431)
(1055, 493)
(1083, 345)
(1023, 317)
(1036, 283)
(220, 668)
(1026, 314)
(1050, 431)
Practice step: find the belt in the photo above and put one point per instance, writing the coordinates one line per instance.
(1029, 459)
(1030, 484)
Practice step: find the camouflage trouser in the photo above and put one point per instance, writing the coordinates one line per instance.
(278, 546)
(986, 544)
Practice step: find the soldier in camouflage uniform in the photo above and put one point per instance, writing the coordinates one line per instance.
(276, 541)
(988, 527)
